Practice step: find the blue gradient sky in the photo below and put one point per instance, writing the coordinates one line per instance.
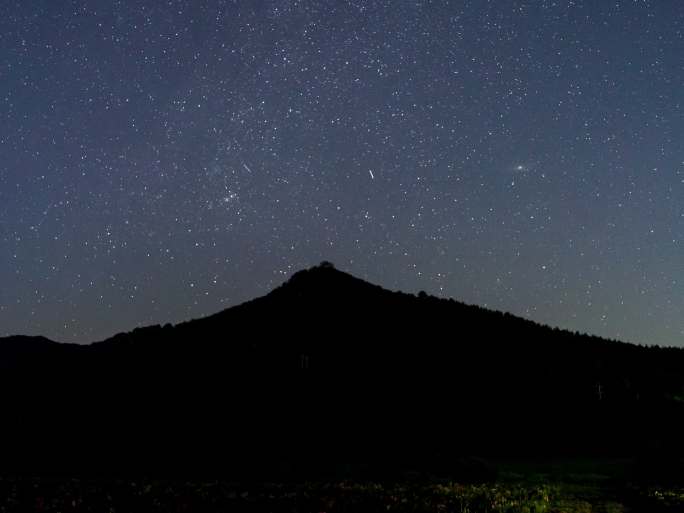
(164, 160)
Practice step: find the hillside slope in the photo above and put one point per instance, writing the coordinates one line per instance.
(329, 367)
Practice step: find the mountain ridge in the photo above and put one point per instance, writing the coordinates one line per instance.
(328, 366)
(314, 277)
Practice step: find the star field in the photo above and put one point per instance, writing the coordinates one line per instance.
(164, 160)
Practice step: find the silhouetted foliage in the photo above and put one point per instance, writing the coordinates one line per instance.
(329, 368)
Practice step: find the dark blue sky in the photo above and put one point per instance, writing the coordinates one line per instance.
(160, 161)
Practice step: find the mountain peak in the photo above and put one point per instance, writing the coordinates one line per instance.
(323, 270)
(357, 370)
(325, 280)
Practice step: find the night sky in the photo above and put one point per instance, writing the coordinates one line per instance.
(161, 161)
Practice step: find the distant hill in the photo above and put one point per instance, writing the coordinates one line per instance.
(330, 368)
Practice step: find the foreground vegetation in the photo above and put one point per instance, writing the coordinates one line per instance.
(505, 496)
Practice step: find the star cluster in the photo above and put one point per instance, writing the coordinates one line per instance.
(165, 160)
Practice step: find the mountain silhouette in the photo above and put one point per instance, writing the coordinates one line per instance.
(328, 368)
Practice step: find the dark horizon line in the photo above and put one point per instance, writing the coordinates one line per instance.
(326, 264)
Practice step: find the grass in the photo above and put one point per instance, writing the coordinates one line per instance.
(579, 486)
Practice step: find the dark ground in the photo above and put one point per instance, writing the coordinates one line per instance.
(530, 486)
